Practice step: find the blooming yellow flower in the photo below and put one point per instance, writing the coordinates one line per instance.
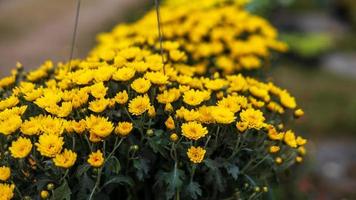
(78, 127)
(274, 135)
(196, 154)
(124, 128)
(289, 139)
(222, 115)
(193, 98)
(141, 85)
(51, 125)
(193, 130)
(287, 100)
(6, 191)
(99, 126)
(49, 145)
(121, 97)
(241, 126)
(157, 77)
(98, 90)
(31, 127)
(96, 159)
(10, 125)
(20, 148)
(99, 105)
(124, 74)
(139, 105)
(205, 114)
(301, 141)
(94, 138)
(66, 159)
(253, 118)
(5, 173)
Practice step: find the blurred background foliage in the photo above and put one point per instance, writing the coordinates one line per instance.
(319, 69)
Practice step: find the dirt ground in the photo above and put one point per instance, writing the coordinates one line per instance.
(32, 31)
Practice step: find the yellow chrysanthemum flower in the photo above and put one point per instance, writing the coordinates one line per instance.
(121, 97)
(20, 148)
(141, 85)
(5, 173)
(49, 145)
(193, 130)
(99, 106)
(99, 126)
(66, 159)
(31, 127)
(96, 159)
(196, 154)
(193, 97)
(6, 191)
(223, 115)
(139, 105)
(98, 90)
(289, 139)
(124, 128)
(124, 74)
(253, 118)
(10, 125)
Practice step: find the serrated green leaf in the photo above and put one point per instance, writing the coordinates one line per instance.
(86, 184)
(142, 167)
(113, 165)
(233, 170)
(172, 180)
(193, 189)
(215, 173)
(62, 192)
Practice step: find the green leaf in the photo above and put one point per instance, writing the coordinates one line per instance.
(123, 180)
(193, 189)
(215, 175)
(113, 165)
(233, 170)
(172, 180)
(142, 168)
(158, 142)
(62, 192)
(86, 185)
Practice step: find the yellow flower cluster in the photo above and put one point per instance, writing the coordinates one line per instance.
(215, 33)
(62, 113)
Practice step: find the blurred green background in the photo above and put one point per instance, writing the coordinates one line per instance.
(319, 69)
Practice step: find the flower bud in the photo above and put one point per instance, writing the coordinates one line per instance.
(174, 137)
(134, 147)
(44, 194)
(298, 113)
(50, 186)
(149, 132)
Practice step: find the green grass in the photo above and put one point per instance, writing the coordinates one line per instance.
(329, 100)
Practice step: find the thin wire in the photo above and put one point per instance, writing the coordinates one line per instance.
(74, 36)
(160, 35)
